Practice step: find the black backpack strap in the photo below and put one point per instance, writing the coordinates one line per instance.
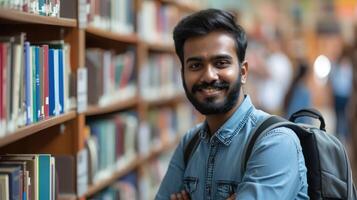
(191, 147)
(258, 131)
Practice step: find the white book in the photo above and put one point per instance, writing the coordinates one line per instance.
(4, 187)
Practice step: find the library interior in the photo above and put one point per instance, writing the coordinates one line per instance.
(91, 98)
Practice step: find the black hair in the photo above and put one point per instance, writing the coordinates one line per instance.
(207, 21)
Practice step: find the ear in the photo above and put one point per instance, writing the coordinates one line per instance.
(244, 72)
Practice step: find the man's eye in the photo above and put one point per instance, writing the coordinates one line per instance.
(221, 63)
(194, 66)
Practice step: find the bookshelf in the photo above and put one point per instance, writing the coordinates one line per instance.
(66, 134)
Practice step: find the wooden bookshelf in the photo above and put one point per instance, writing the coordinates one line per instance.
(140, 160)
(14, 16)
(101, 34)
(113, 107)
(160, 48)
(171, 101)
(182, 6)
(50, 136)
(34, 128)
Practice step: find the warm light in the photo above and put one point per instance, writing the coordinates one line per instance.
(322, 67)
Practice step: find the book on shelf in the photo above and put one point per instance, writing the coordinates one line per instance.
(40, 7)
(36, 176)
(111, 76)
(112, 144)
(35, 81)
(4, 187)
(112, 15)
(159, 77)
(156, 22)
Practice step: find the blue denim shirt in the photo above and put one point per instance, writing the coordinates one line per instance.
(275, 171)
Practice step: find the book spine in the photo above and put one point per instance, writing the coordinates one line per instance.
(60, 80)
(38, 84)
(34, 101)
(46, 81)
(51, 77)
(56, 81)
(28, 92)
(44, 170)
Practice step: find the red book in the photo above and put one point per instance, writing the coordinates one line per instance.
(45, 79)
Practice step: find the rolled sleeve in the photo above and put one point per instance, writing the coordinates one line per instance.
(273, 168)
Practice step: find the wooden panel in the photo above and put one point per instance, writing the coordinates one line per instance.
(57, 139)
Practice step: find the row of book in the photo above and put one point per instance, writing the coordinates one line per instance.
(160, 77)
(156, 22)
(164, 125)
(152, 175)
(27, 177)
(112, 15)
(124, 188)
(40, 7)
(35, 80)
(111, 144)
(111, 76)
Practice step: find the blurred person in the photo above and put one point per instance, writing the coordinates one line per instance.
(278, 71)
(211, 48)
(298, 95)
(341, 77)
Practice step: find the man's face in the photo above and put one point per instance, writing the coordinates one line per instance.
(211, 73)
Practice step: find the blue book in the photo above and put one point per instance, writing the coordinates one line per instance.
(28, 83)
(51, 82)
(38, 84)
(33, 73)
(60, 79)
(44, 169)
(14, 181)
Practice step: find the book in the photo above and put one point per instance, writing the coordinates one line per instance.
(32, 166)
(14, 181)
(4, 187)
(65, 168)
(24, 177)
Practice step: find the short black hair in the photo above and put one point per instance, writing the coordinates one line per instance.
(207, 21)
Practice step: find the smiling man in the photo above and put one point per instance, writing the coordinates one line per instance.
(211, 48)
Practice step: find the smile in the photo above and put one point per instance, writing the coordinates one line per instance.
(210, 91)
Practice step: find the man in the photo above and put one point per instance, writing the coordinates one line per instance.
(211, 48)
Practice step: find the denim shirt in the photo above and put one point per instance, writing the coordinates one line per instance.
(275, 171)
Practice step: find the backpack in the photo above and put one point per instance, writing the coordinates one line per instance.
(329, 175)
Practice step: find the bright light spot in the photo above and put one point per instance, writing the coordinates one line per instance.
(322, 67)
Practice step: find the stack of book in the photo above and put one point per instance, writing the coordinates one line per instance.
(27, 176)
(40, 7)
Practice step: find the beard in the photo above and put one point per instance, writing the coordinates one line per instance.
(209, 106)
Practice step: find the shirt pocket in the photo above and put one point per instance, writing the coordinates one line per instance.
(190, 184)
(225, 189)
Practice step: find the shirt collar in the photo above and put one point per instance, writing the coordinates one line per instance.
(233, 125)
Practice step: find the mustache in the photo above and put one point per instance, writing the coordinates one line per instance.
(214, 85)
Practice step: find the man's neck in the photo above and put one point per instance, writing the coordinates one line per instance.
(214, 122)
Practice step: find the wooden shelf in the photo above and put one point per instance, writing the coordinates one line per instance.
(184, 7)
(166, 101)
(23, 17)
(104, 34)
(34, 128)
(160, 47)
(129, 167)
(117, 106)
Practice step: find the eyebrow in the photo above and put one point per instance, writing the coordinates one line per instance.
(215, 57)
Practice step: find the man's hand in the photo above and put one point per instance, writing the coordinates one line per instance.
(183, 195)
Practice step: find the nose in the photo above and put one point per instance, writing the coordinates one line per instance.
(209, 74)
